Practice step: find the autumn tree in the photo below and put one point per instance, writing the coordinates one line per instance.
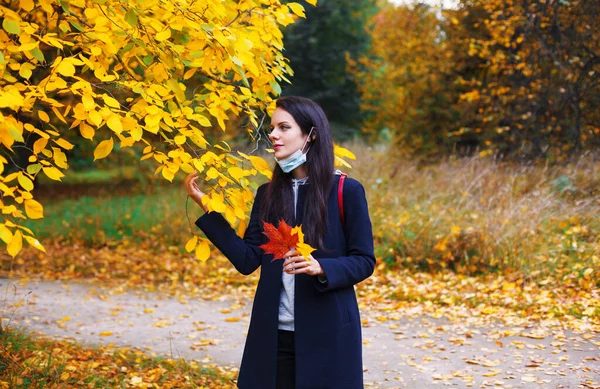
(145, 74)
(404, 81)
(538, 88)
(519, 78)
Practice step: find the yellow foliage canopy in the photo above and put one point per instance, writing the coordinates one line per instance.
(135, 73)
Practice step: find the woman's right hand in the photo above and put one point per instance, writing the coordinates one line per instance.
(193, 191)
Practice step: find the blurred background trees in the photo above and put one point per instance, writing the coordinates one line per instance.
(318, 47)
(518, 78)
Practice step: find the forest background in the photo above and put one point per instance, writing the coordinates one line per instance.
(474, 129)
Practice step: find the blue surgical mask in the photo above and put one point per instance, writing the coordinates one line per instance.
(295, 159)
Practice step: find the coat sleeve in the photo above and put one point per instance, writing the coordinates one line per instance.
(359, 262)
(244, 253)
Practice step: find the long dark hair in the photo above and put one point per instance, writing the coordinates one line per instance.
(278, 203)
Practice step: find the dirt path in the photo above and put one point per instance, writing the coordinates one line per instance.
(411, 352)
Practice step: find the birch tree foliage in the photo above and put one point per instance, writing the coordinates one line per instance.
(134, 73)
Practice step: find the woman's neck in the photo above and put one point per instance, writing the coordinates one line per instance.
(300, 172)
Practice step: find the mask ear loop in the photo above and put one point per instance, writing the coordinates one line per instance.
(307, 139)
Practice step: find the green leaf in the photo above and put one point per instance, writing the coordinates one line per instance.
(127, 47)
(131, 17)
(148, 60)
(15, 134)
(275, 87)
(76, 25)
(2, 61)
(34, 169)
(65, 6)
(241, 72)
(11, 26)
(37, 54)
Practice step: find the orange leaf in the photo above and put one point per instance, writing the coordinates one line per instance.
(281, 240)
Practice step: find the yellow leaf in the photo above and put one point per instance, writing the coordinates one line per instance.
(64, 319)
(5, 234)
(212, 173)
(105, 333)
(508, 286)
(180, 139)
(492, 373)
(66, 68)
(312, 2)
(189, 73)
(191, 244)
(43, 116)
(96, 118)
(163, 35)
(59, 115)
(217, 202)
(15, 245)
(136, 132)
(88, 102)
(25, 71)
(53, 173)
(241, 230)
(232, 319)
(63, 143)
(168, 174)
(305, 250)
(297, 9)
(261, 165)
(25, 182)
(26, 5)
(87, 131)
(236, 172)
(114, 123)
(103, 149)
(203, 251)
(111, 102)
(343, 152)
(34, 243)
(39, 145)
(33, 209)
(60, 159)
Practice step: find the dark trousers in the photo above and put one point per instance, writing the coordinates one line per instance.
(286, 360)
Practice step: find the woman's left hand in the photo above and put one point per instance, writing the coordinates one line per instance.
(296, 264)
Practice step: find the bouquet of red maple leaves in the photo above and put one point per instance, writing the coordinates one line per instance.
(283, 239)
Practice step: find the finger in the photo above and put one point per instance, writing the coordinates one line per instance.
(287, 262)
(290, 253)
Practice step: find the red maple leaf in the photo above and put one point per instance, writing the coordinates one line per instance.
(280, 241)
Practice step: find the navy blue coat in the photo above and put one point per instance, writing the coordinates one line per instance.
(326, 319)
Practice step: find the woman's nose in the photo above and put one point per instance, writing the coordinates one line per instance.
(273, 135)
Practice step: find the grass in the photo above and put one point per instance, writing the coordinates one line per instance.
(28, 361)
(478, 215)
(470, 215)
(96, 219)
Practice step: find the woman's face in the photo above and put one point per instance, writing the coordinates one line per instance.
(286, 135)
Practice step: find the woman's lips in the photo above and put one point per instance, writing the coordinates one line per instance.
(275, 147)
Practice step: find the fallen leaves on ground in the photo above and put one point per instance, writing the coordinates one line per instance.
(33, 360)
(513, 315)
(388, 293)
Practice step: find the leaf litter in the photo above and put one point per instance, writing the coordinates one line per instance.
(515, 315)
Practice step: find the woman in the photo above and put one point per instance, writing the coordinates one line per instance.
(305, 330)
